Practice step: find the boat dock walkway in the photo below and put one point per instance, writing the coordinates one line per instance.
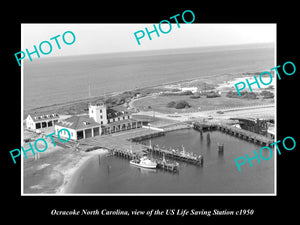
(116, 145)
(176, 155)
(241, 133)
(161, 164)
(125, 146)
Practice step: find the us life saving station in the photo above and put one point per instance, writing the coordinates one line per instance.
(99, 121)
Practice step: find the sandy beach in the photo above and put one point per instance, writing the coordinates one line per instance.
(70, 171)
(52, 171)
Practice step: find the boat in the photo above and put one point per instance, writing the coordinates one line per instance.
(143, 162)
(183, 153)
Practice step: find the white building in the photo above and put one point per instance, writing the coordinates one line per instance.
(99, 121)
(192, 89)
(99, 113)
(39, 121)
(80, 127)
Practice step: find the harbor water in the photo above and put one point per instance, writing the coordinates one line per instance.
(218, 175)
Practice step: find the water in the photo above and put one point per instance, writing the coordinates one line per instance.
(62, 79)
(219, 173)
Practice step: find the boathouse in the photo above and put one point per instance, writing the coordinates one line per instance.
(80, 127)
(38, 120)
(99, 121)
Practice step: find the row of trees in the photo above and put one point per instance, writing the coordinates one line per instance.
(249, 95)
(244, 94)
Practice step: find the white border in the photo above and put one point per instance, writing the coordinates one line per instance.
(155, 194)
(275, 122)
(22, 115)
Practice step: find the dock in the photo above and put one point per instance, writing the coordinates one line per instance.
(234, 131)
(172, 167)
(147, 136)
(126, 146)
(176, 155)
(161, 164)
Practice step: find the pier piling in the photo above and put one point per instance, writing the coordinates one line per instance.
(208, 138)
(220, 148)
(201, 134)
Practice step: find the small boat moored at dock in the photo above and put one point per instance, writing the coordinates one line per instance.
(143, 162)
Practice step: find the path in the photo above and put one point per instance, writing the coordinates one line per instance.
(260, 111)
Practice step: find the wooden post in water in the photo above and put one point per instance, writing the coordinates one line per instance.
(201, 159)
(108, 168)
(208, 138)
(220, 148)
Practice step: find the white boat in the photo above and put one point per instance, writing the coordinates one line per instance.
(143, 162)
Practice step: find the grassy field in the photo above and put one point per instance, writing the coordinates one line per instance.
(159, 103)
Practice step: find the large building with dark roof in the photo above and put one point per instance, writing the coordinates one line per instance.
(99, 121)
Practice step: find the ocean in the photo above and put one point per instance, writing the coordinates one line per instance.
(218, 175)
(55, 80)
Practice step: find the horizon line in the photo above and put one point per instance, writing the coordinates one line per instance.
(153, 50)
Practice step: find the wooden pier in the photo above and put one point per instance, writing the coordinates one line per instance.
(124, 154)
(127, 146)
(148, 136)
(172, 167)
(161, 164)
(243, 134)
(196, 159)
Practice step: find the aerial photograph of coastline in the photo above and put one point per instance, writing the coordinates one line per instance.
(159, 118)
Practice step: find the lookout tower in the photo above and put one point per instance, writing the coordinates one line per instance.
(98, 113)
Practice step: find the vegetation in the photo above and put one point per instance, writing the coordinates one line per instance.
(267, 94)
(212, 94)
(179, 93)
(179, 104)
(171, 104)
(244, 95)
(203, 86)
(182, 104)
(195, 96)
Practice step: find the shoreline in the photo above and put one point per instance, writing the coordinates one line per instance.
(53, 171)
(70, 173)
(217, 80)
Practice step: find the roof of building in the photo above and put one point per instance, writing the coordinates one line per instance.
(42, 116)
(78, 122)
(120, 122)
(113, 113)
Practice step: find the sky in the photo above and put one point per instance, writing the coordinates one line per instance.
(109, 38)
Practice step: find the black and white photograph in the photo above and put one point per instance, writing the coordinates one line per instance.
(165, 116)
(149, 115)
